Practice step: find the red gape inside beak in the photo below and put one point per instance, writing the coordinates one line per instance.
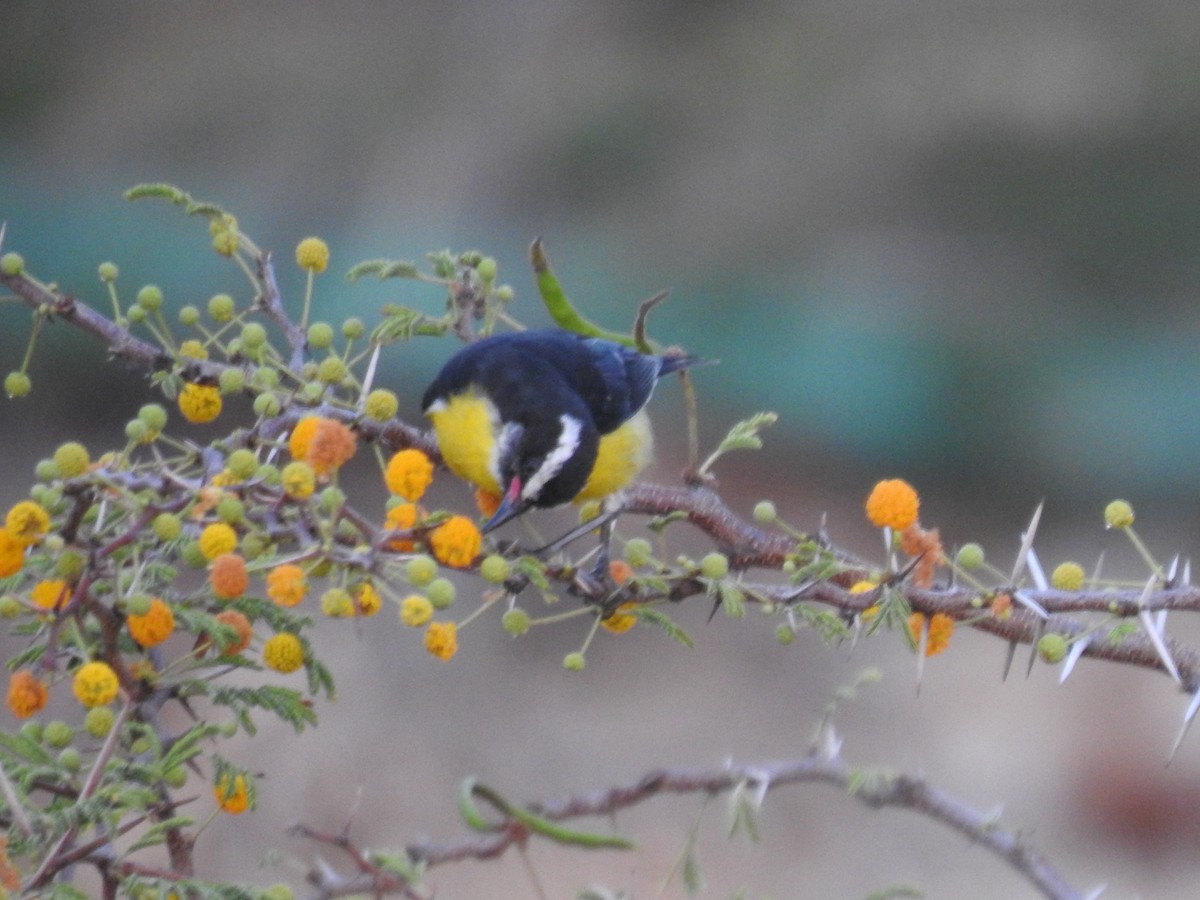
(510, 506)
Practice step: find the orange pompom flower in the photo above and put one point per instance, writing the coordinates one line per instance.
(941, 627)
(331, 446)
(401, 517)
(241, 625)
(456, 542)
(486, 502)
(228, 576)
(155, 626)
(27, 694)
(232, 794)
(409, 473)
(893, 503)
(12, 554)
(286, 584)
(50, 593)
(302, 436)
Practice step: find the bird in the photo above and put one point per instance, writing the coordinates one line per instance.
(546, 417)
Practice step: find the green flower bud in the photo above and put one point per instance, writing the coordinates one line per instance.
(221, 308)
(192, 555)
(331, 499)
(494, 569)
(231, 509)
(58, 734)
(266, 405)
(138, 604)
(254, 545)
(137, 315)
(166, 526)
(515, 621)
(764, 512)
(32, 731)
(70, 759)
(150, 298)
(189, 316)
(253, 336)
(332, 370)
(70, 565)
(1067, 576)
(45, 470)
(353, 328)
(440, 593)
(264, 378)
(486, 270)
(785, 635)
(17, 384)
(714, 565)
(969, 556)
(638, 552)
(154, 415)
(71, 459)
(99, 721)
(175, 777)
(108, 271)
(505, 293)
(421, 570)
(12, 264)
(1118, 514)
(320, 336)
(10, 607)
(268, 473)
(381, 404)
(242, 463)
(136, 431)
(311, 392)
(1052, 647)
(231, 381)
(574, 662)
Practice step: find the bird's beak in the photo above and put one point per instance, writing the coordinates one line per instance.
(510, 506)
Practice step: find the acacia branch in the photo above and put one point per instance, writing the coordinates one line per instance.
(876, 790)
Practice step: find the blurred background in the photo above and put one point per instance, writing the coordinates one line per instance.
(950, 242)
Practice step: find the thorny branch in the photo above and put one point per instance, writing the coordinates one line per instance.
(874, 789)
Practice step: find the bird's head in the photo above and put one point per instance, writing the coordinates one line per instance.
(542, 462)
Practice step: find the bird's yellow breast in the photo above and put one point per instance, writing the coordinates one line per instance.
(465, 425)
(622, 455)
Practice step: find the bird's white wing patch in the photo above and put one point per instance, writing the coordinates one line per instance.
(568, 443)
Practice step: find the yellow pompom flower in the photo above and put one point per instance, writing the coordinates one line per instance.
(12, 554)
(27, 694)
(456, 542)
(95, 684)
(232, 794)
(200, 403)
(193, 349)
(621, 620)
(27, 522)
(312, 253)
(50, 593)
(409, 473)
(893, 503)
(298, 480)
(441, 639)
(1067, 576)
(216, 539)
(283, 653)
(228, 576)
(415, 610)
(286, 584)
(366, 599)
(155, 626)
